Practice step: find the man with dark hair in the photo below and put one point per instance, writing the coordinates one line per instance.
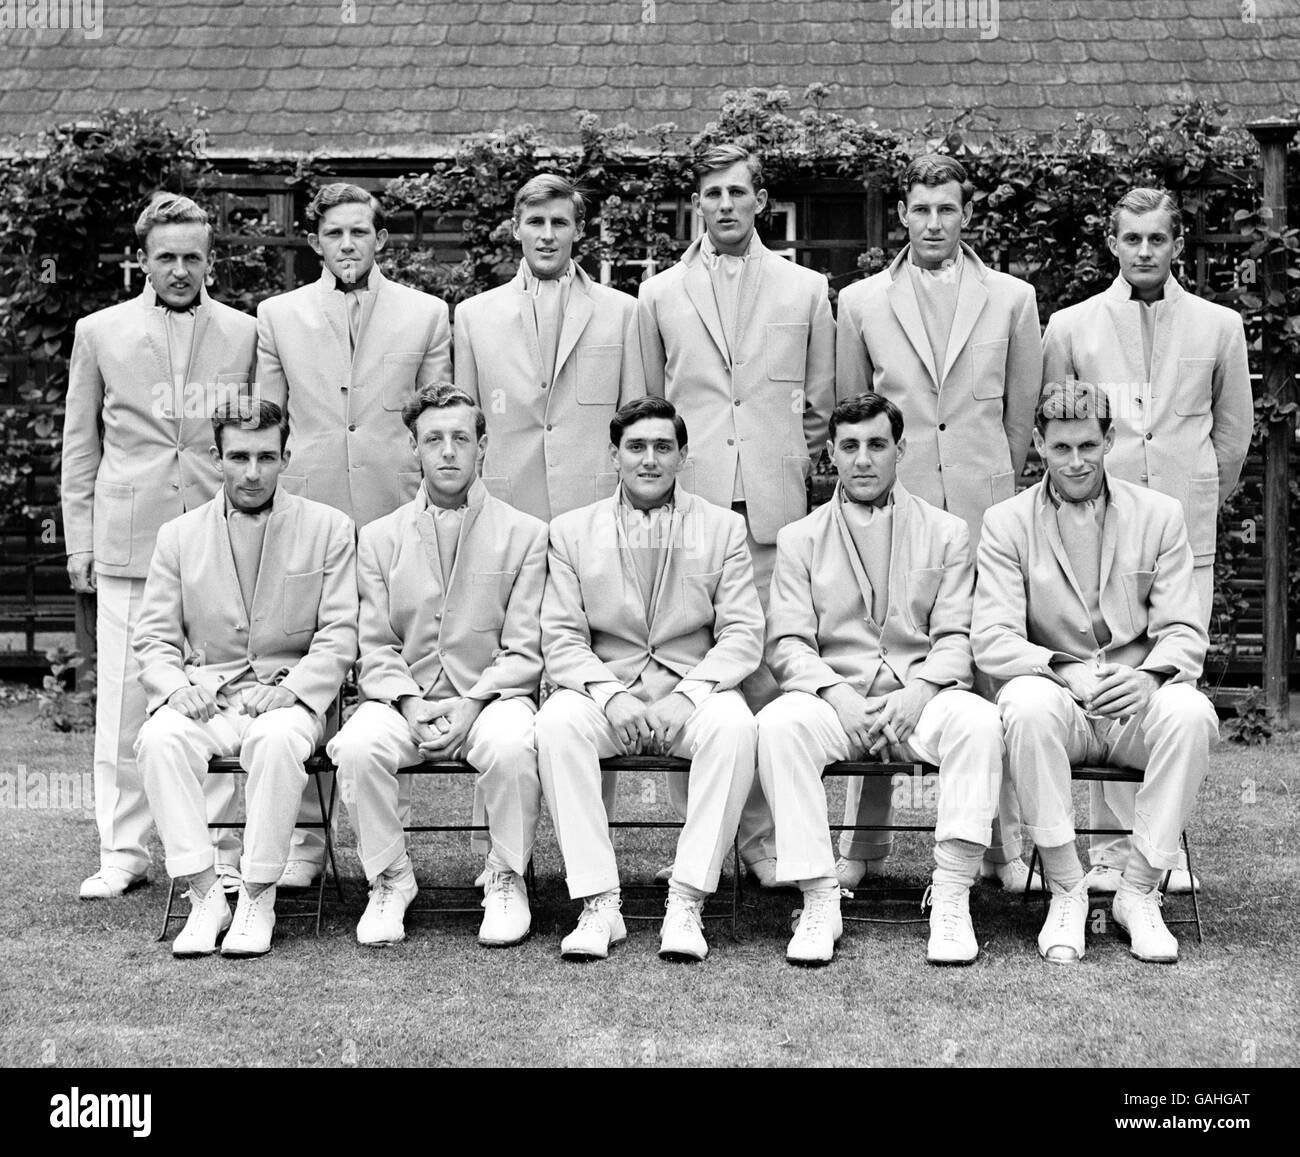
(549, 356)
(248, 625)
(343, 356)
(742, 342)
(1086, 613)
(451, 589)
(142, 382)
(1175, 368)
(649, 623)
(868, 636)
(955, 345)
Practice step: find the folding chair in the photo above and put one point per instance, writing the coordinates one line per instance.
(318, 765)
(1094, 774)
(666, 764)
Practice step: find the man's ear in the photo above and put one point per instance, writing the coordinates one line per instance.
(381, 239)
(902, 446)
(760, 198)
(1039, 443)
(613, 454)
(902, 213)
(284, 457)
(314, 241)
(1178, 249)
(1108, 439)
(214, 454)
(966, 211)
(1112, 243)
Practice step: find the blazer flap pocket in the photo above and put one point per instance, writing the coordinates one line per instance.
(490, 592)
(302, 601)
(114, 512)
(922, 590)
(1137, 584)
(1195, 387)
(786, 349)
(700, 588)
(989, 369)
(399, 374)
(598, 374)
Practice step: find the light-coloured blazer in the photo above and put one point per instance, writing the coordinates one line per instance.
(969, 423)
(548, 441)
(1030, 613)
(705, 622)
(302, 634)
(768, 403)
(133, 458)
(349, 446)
(481, 628)
(1189, 434)
(819, 631)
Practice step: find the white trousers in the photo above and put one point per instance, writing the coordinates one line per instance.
(376, 741)
(1047, 732)
(757, 834)
(799, 734)
(173, 752)
(121, 806)
(1112, 851)
(573, 735)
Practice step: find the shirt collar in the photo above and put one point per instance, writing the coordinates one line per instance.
(627, 508)
(425, 503)
(333, 283)
(845, 500)
(950, 271)
(269, 508)
(711, 256)
(533, 283)
(1098, 503)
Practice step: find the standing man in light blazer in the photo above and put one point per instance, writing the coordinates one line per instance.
(650, 622)
(343, 356)
(248, 627)
(742, 342)
(549, 357)
(868, 636)
(1086, 612)
(144, 378)
(955, 345)
(1174, 366)
(451, 590)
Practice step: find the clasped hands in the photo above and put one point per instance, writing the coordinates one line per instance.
(200, 704)
(440, 728)
(648, 729)
(880, 725)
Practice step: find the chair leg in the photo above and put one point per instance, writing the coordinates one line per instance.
(1033, 862)
(167, 912)
(1196, 907)
(735, 887)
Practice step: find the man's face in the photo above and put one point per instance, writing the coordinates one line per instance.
(648, 460)
(177, 259)
(449, 451)
(934, 217)
(728, 203)
(346, 241)
(1145, 245)
(866, 459)
(1072, 451)
(547, 232)
(250, 462)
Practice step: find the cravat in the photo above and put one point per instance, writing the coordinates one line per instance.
(547, 309)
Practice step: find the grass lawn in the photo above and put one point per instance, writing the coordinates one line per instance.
(88, 986)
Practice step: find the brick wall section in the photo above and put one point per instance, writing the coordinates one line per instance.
(407, 79)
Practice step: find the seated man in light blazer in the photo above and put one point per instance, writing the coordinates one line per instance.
(451, 589)
(868, 636)
(343, 355)
(649, 623)
(248, 626)
(1086, 611)
(549, 357)
(955, 345)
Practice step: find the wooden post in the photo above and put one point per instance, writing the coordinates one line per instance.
(1274, 135)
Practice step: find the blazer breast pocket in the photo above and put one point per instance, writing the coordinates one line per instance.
(922, 590)
(699, 591)
(114, 513)
(489, 593)
(302, 601)
(399, 373)
(988, 367)
(1195, 387)
(786, 350)
(1137, 590)
(598, 369)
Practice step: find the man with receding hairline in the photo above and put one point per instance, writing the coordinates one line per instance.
(142, 382)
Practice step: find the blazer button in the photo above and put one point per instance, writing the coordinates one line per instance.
(437, 614)
(884, 650)
(176, 485)
(737, 402)
(240, 627)
(542, 385)
(1148, 437)
(942, 426)
(352, 428)
(549, 426)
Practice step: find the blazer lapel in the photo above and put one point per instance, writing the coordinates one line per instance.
(700, 290)
(576, 317)
(528, 328)
(971, 299)
(630, 595)
(1123, 311)
(846, 543)
(155, 328)
(750, 284)
(902, 300)
(271, 566)
(336, 313)
(1047, 519)
(1109, 534)
(227, 578)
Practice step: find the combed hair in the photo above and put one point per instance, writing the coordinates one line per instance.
(249, 414)
(170, 209)
(933, 170)
(723, 157)
(341, 193)
(547, 187)
(1071, 401)
(864, 407)
(441, 396)
(1139, 201)
(646, 407)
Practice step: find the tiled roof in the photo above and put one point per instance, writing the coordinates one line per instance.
(407, 79)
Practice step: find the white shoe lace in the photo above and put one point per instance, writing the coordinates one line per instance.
(813, 917)
(502, 884)
(946, 902)
(1147, 909)
(250, 911)
(382, 895)
(1063, 904)
(685, 912)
